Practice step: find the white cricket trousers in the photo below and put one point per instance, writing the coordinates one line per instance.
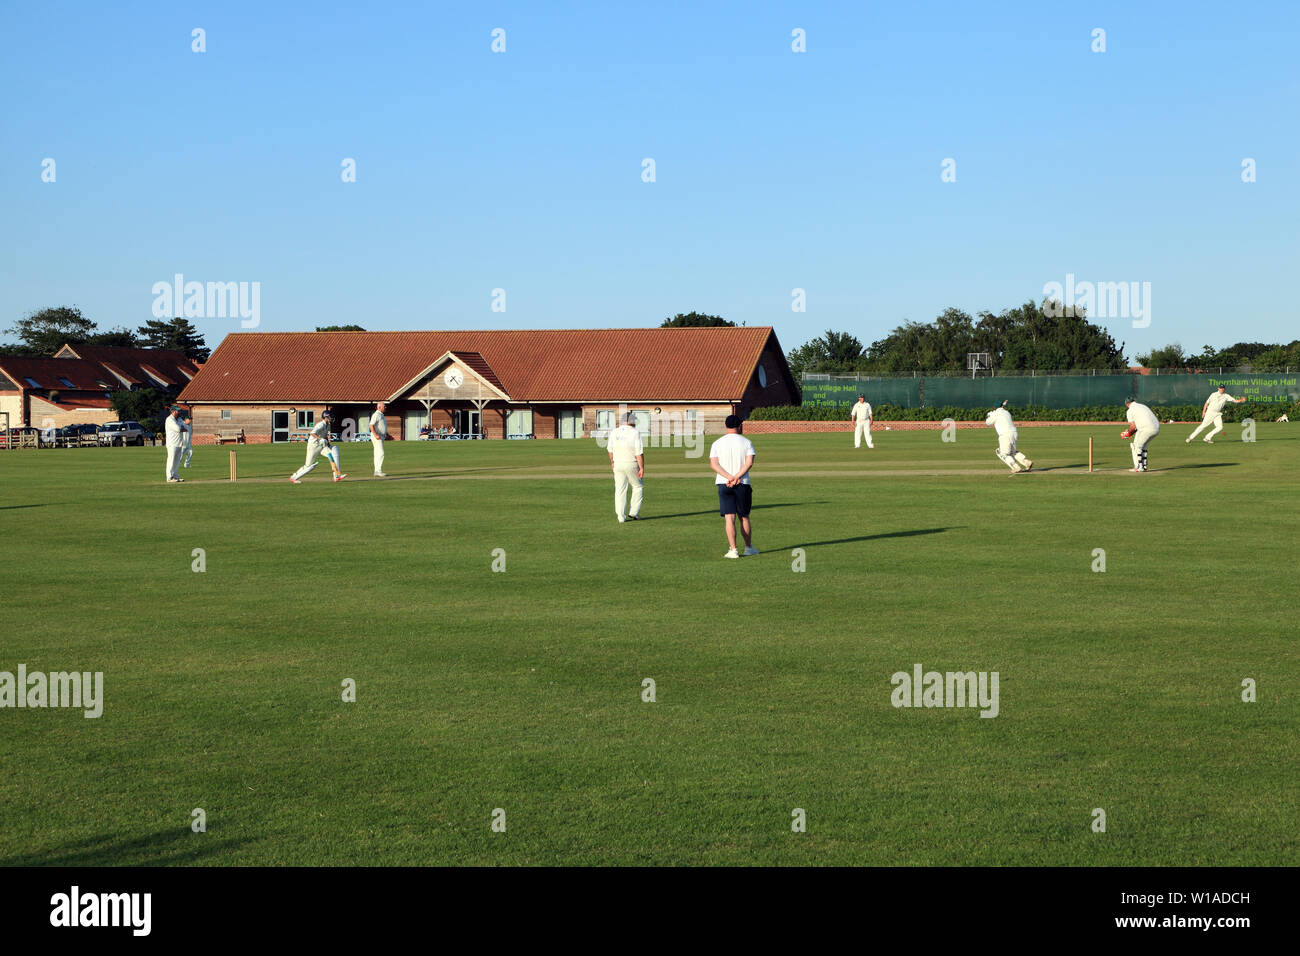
(1216, 420)
(860, 430)
(174, 461)
(1140, 442)
(379, 455)
(315, 447)
(625, 475)
(1007, 453)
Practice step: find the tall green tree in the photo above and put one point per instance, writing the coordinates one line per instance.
(684, 320)
(833, 353)
(148, 406)
(1170, 356)
(120, 337)
(46, 331)
(179, 335)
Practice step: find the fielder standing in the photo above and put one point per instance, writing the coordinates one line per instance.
(187, 439)
(731, 457)
(379, 435)
(1212, 413)
(627, 459)
(1000, 419)
(175, 430)
(1143, 426)
(318, 444)
(861, 417)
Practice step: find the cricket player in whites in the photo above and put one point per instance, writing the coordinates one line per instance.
(1212, 413)
(1000, 419)
(379, 435)
(627, 459)
(1143, 426)
(318, 444)
(861, 417)
(187, 439)
(175, 430)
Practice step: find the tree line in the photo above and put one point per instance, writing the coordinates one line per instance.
(44, 332)
(1041, 337)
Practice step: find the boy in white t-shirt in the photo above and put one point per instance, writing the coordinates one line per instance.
(731, 458)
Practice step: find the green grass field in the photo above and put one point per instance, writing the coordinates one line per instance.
(522, 690)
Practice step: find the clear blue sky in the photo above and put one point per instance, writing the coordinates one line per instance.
(775, 170)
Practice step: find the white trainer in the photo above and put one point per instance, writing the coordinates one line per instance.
(733, 553)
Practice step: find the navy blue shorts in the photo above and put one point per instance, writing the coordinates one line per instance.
(735, 501)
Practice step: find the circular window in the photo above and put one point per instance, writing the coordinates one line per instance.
(762, 377)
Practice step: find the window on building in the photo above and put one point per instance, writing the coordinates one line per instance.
(604, 418)
(569, 423)
(519, 421)
(306, 419)
(66, 383)
(225, 414)
(33, 383)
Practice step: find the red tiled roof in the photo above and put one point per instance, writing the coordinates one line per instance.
(72, 404)
(48, 371)
(478, 364)
(538, 365)
(133, 364)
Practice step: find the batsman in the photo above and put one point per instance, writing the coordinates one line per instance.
(1143, 426)
(319, 444)
(1000, 419)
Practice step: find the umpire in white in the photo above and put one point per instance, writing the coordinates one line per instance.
(627, 459)
(379, 435)
(175, 429)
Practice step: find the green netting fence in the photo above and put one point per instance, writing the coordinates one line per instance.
(1051, 391)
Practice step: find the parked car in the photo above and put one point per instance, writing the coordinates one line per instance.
(123, 433)
(70, 435)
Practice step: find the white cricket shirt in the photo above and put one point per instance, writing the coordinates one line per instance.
(1214, 405)
(1143, 418)
(175, 432)
(624, 443)
(1001, 420)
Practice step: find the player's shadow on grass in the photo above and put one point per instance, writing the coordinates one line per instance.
(165, 847)
(714, 511)
(12, 507)
(1207, 464)
(869, 537)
